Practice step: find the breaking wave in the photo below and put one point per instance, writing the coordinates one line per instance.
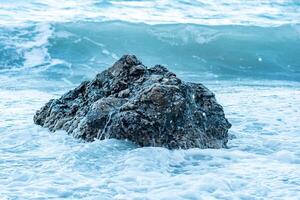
(218, 52)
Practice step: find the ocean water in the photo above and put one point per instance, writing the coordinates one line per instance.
(247, 52)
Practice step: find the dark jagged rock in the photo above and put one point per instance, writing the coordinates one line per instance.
(148, 106)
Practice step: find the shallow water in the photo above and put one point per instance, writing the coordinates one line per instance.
(249, 59)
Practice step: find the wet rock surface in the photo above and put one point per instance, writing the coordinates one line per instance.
(148, 106)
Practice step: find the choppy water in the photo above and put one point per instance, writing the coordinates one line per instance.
(247, 52)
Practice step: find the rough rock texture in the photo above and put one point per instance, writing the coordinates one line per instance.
(148, 106)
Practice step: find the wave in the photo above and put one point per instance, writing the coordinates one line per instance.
(78, 50)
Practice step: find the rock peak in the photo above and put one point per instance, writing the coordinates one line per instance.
(129, 60)
(124, 64)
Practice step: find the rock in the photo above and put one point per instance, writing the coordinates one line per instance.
(148, 106)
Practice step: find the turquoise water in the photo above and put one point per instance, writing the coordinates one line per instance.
(248, 53)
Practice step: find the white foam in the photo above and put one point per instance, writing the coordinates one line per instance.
(286, 156)
(35, 57)
(256, 165)
(264, 13)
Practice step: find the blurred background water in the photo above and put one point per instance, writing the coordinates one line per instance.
(247, 52)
